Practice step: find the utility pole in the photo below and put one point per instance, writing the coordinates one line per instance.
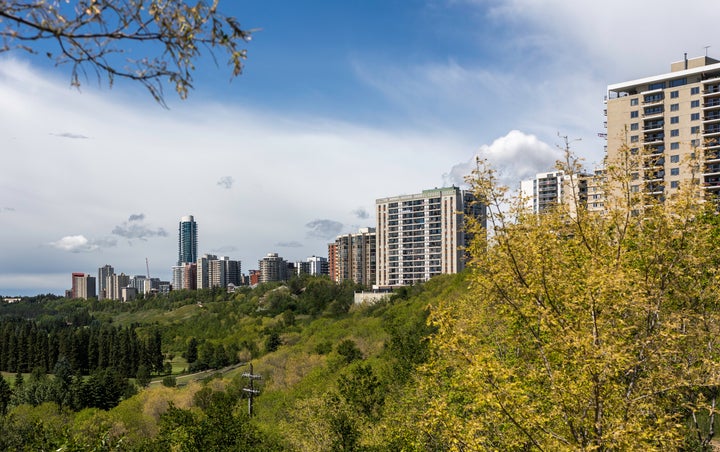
(251, 391)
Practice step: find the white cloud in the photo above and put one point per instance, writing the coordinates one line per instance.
(515, 156)
(74, 244)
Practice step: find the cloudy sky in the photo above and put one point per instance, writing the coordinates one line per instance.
(340, 103)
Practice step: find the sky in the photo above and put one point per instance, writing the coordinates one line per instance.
(339, 103)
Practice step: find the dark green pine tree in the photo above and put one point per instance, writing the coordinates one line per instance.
(191, 355)
(5, 396)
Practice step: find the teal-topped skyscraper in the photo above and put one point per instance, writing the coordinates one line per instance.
(187, 240)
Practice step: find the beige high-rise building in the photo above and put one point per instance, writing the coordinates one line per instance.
(673, 119)
(423, 235)
(354, 257)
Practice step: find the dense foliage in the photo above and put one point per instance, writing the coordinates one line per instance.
(570, 331)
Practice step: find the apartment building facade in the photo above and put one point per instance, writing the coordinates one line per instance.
(548, 190)
(354, 257)
(423, 235)
(673, 120)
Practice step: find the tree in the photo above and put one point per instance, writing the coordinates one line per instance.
(349, 351)
(191, 355)
(581, 331)
(143, 375)
(5, 395)
(167, 37)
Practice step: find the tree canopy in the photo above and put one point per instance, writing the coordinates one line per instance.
(581, 331)
(149, 41)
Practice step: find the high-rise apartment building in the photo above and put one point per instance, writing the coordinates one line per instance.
(203, 270)
(83, 286)
(355, 257)
(313, 265)
(211, 271)
(103, 273)
(673, 119)
(115, 284)
(317, 265)
(187, 240)
(273, 268)
(423, 235)
(548, 190)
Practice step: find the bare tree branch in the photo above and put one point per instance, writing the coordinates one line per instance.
(164, 36)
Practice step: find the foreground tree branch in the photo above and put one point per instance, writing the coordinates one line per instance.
(148, 41)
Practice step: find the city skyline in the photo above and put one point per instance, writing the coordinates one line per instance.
(324, 120)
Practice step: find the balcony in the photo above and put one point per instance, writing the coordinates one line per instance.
(653, 98)
(652, 176)
(712, 116)
(712, 155)
(649, 112)
(711, 103)
(712, 182)
(653, 125)
(654, 138)
(713, 169)
(711, 129)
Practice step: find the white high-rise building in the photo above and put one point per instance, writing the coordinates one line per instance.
(548, 190)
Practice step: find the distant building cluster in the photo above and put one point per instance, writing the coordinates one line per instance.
(415, 238)
(113, 286)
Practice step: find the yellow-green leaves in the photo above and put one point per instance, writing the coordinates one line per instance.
(581, 332)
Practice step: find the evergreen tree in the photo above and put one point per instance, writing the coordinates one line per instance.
(5, 395)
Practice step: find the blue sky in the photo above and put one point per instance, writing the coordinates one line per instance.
(340, 103)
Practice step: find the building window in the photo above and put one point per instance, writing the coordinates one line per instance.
(674, 184)
(694, 103)
(695, 90)
(695, 116)
(695, 129)
(634, 139)
(674, 120)
(675, 146)
(675, 133)
(678, 82)
(634, 101)
(675, 158)
(695, 143)
(634, 114)
(674, 107)
(658, 85)
(634, 126)
(674, 94)
(674, 171)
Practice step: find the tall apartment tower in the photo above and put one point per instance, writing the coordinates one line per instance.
(83, 286)
(273, 268)
(423, 235)
(675, 119)
(104, 273)
(548, 190)
(187, 240)
(355, 257)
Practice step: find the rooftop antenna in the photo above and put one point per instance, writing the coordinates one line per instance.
(706, 52)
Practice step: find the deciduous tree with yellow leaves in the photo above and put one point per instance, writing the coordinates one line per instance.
(581, 330)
